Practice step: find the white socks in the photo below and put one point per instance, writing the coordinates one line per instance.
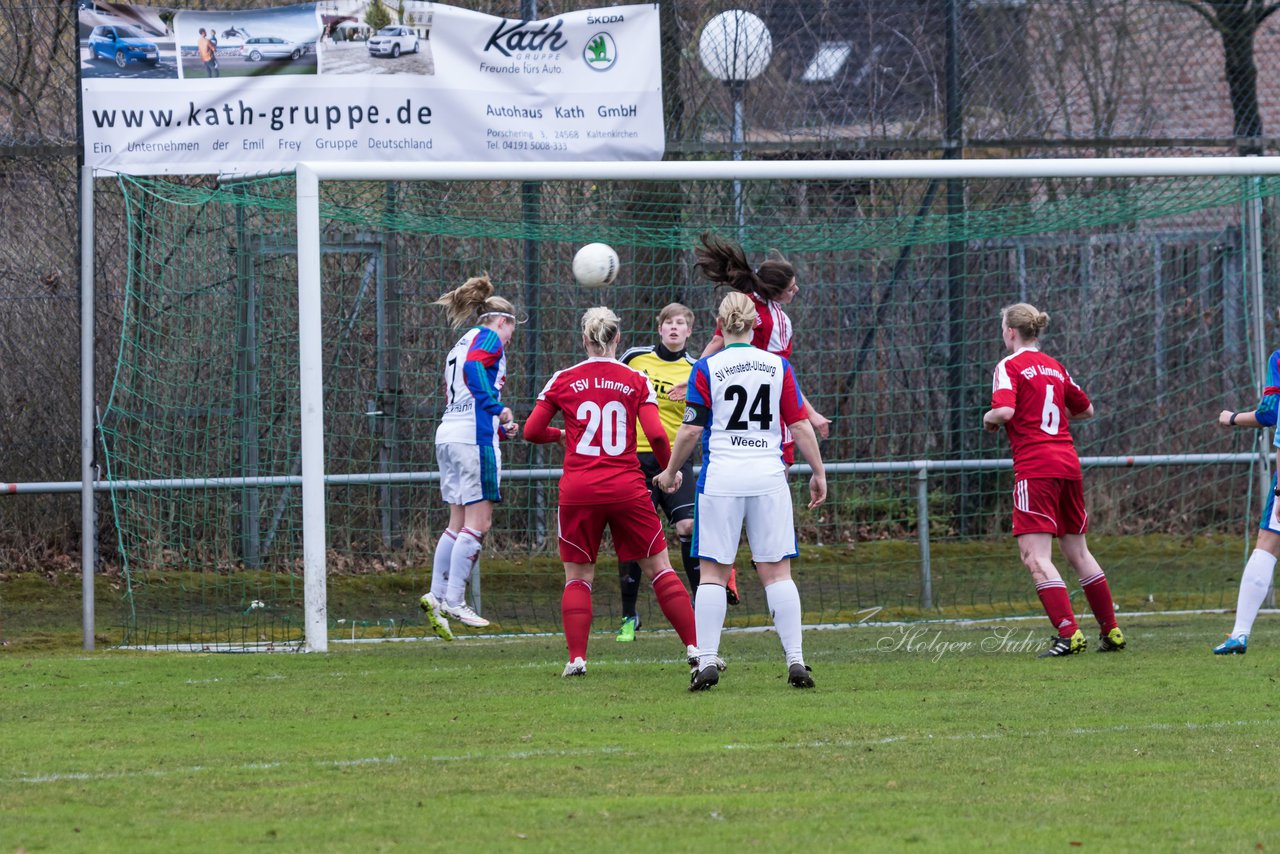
(440, 566)
(1254, 585)
(784, 605)
(709, 607)
(466, 552)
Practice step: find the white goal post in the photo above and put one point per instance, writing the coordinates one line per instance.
(310, 174)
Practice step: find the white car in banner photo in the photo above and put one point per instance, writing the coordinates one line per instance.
(393, 41)
(269, 47)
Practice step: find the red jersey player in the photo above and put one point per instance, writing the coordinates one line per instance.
(1034, 398)
(770, 286)
(602, 400)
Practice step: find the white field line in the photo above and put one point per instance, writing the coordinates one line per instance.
(810, 627)
(612, 750)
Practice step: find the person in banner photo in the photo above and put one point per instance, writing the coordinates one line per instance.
(208, 50)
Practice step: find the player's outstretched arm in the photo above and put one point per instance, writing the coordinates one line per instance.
(821, 423)
(537, 427)
(1231, 418)
(807, 442)
(510, 426)
(655, 432)
(668, 480)
(996, 418)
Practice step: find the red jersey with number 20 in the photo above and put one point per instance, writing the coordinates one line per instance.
(601, 400)
(1042, 394)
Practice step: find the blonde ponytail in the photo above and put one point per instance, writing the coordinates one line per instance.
(737, 314)
(472, 300)
(1028, 320)
(600, 327)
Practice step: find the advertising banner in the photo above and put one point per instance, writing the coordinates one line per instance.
(206, 92)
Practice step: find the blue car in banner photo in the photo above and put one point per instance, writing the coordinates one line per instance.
(122, 45)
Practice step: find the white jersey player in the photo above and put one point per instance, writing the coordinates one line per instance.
(739, 400)
(467, 446)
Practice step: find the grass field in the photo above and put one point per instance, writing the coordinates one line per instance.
(980, 578)
(936, 740)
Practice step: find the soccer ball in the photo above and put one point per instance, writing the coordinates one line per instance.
(595, 265)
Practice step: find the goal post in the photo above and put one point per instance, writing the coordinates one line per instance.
(268, 441)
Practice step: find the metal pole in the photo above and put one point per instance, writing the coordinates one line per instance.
(248, 390)
(389, 364)
(1161, 339)
(88, 513)
(1253, 237)
(922, 528)
(768, 170)
(531, 216)
(738, 89)
(953, 149)
(311, 397)
(1253, 240)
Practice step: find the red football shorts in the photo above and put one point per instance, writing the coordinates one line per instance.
(633, 523)
(1049, 505)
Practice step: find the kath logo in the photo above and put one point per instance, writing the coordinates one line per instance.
(600, 53)
(525, 37)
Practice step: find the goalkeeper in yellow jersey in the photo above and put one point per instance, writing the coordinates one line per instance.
(667, 364)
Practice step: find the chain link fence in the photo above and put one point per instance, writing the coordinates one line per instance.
(845, 79)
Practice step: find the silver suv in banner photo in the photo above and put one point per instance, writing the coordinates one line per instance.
(393, 41)
(269, 47)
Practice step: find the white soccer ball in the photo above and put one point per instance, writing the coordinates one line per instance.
(257, 604)
(595, 265)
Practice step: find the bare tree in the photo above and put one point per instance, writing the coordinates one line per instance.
(1238, 22)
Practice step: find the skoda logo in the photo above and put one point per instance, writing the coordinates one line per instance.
(601, 52)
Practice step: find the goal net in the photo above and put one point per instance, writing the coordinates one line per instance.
(1149, 283)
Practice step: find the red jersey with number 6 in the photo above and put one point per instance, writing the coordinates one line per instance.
(601, 401)
(1042, 395)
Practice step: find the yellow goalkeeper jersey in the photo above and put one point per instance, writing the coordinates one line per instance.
(664, 369)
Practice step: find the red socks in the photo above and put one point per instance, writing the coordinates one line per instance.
(673, 599)
(1057, 604)
(575, 610)
(1098, 592)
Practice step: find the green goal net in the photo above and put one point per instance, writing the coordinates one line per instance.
(1148, 283)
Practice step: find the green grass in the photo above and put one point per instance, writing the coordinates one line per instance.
(480, 745)
(980, 578)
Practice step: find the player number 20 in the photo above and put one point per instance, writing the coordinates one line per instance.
(608, 423)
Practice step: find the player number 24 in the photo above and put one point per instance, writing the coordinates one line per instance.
(761, 412)
(608, 423)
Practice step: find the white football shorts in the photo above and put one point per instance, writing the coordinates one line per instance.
(469, 473)
(771, 529)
